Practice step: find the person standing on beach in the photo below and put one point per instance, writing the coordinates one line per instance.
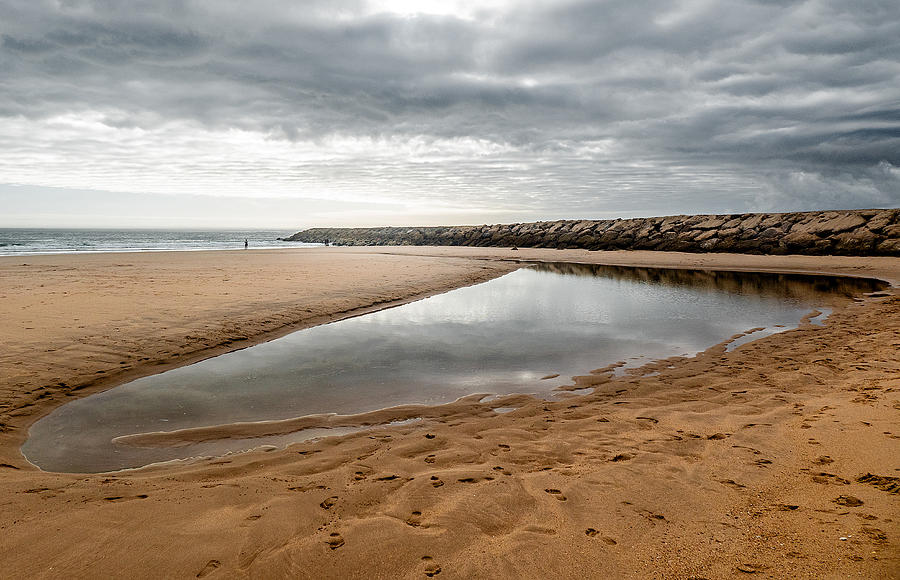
(246, 243)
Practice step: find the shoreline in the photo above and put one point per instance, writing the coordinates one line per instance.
(152, 367)
(148, 251)
(674, 474)
(25, 242)
(386, 416)
(156, 367)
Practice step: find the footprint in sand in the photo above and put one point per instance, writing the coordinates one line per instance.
(335, 541)
(651, 516)
(875, 535)
(475, 479)
(785, 507)
(306, 487)
(848, 501)
(826, 478)
(592, 533)
(414, 519)
(431, 568)
(436, 481)
(882, 482)
(210, 567)
(750, 449)
(328, 502)
(732, 483)
(430, 459)
(556, 493)
(539, 530)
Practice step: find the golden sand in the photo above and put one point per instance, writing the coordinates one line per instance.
(778, 459)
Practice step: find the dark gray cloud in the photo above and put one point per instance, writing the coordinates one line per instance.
(608, 106)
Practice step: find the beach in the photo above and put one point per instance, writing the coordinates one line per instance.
(777, 459)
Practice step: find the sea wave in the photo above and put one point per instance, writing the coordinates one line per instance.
(19, 242)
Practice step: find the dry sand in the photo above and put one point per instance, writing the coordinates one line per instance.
(779, 459)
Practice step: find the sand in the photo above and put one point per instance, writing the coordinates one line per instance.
(778, 459)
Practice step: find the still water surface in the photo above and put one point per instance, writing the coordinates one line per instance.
(501, 337)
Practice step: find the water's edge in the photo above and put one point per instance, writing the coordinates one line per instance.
(385, 415)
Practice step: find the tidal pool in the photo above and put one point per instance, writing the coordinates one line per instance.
(502, 336)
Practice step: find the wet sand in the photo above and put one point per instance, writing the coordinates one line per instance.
(756, 461)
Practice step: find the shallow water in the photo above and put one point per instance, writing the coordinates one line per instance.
(502, 336)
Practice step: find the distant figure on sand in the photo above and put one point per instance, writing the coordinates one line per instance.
(246, 243)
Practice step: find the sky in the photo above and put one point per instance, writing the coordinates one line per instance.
(286, 114)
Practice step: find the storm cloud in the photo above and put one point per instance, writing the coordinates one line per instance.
(516, 109)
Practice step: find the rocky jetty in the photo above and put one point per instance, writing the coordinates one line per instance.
(874, 232)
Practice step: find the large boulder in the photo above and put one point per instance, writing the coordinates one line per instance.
(856, 232)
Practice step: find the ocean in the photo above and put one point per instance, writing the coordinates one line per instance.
(29, 241)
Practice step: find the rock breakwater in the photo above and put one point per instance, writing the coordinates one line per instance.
(874, 232)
